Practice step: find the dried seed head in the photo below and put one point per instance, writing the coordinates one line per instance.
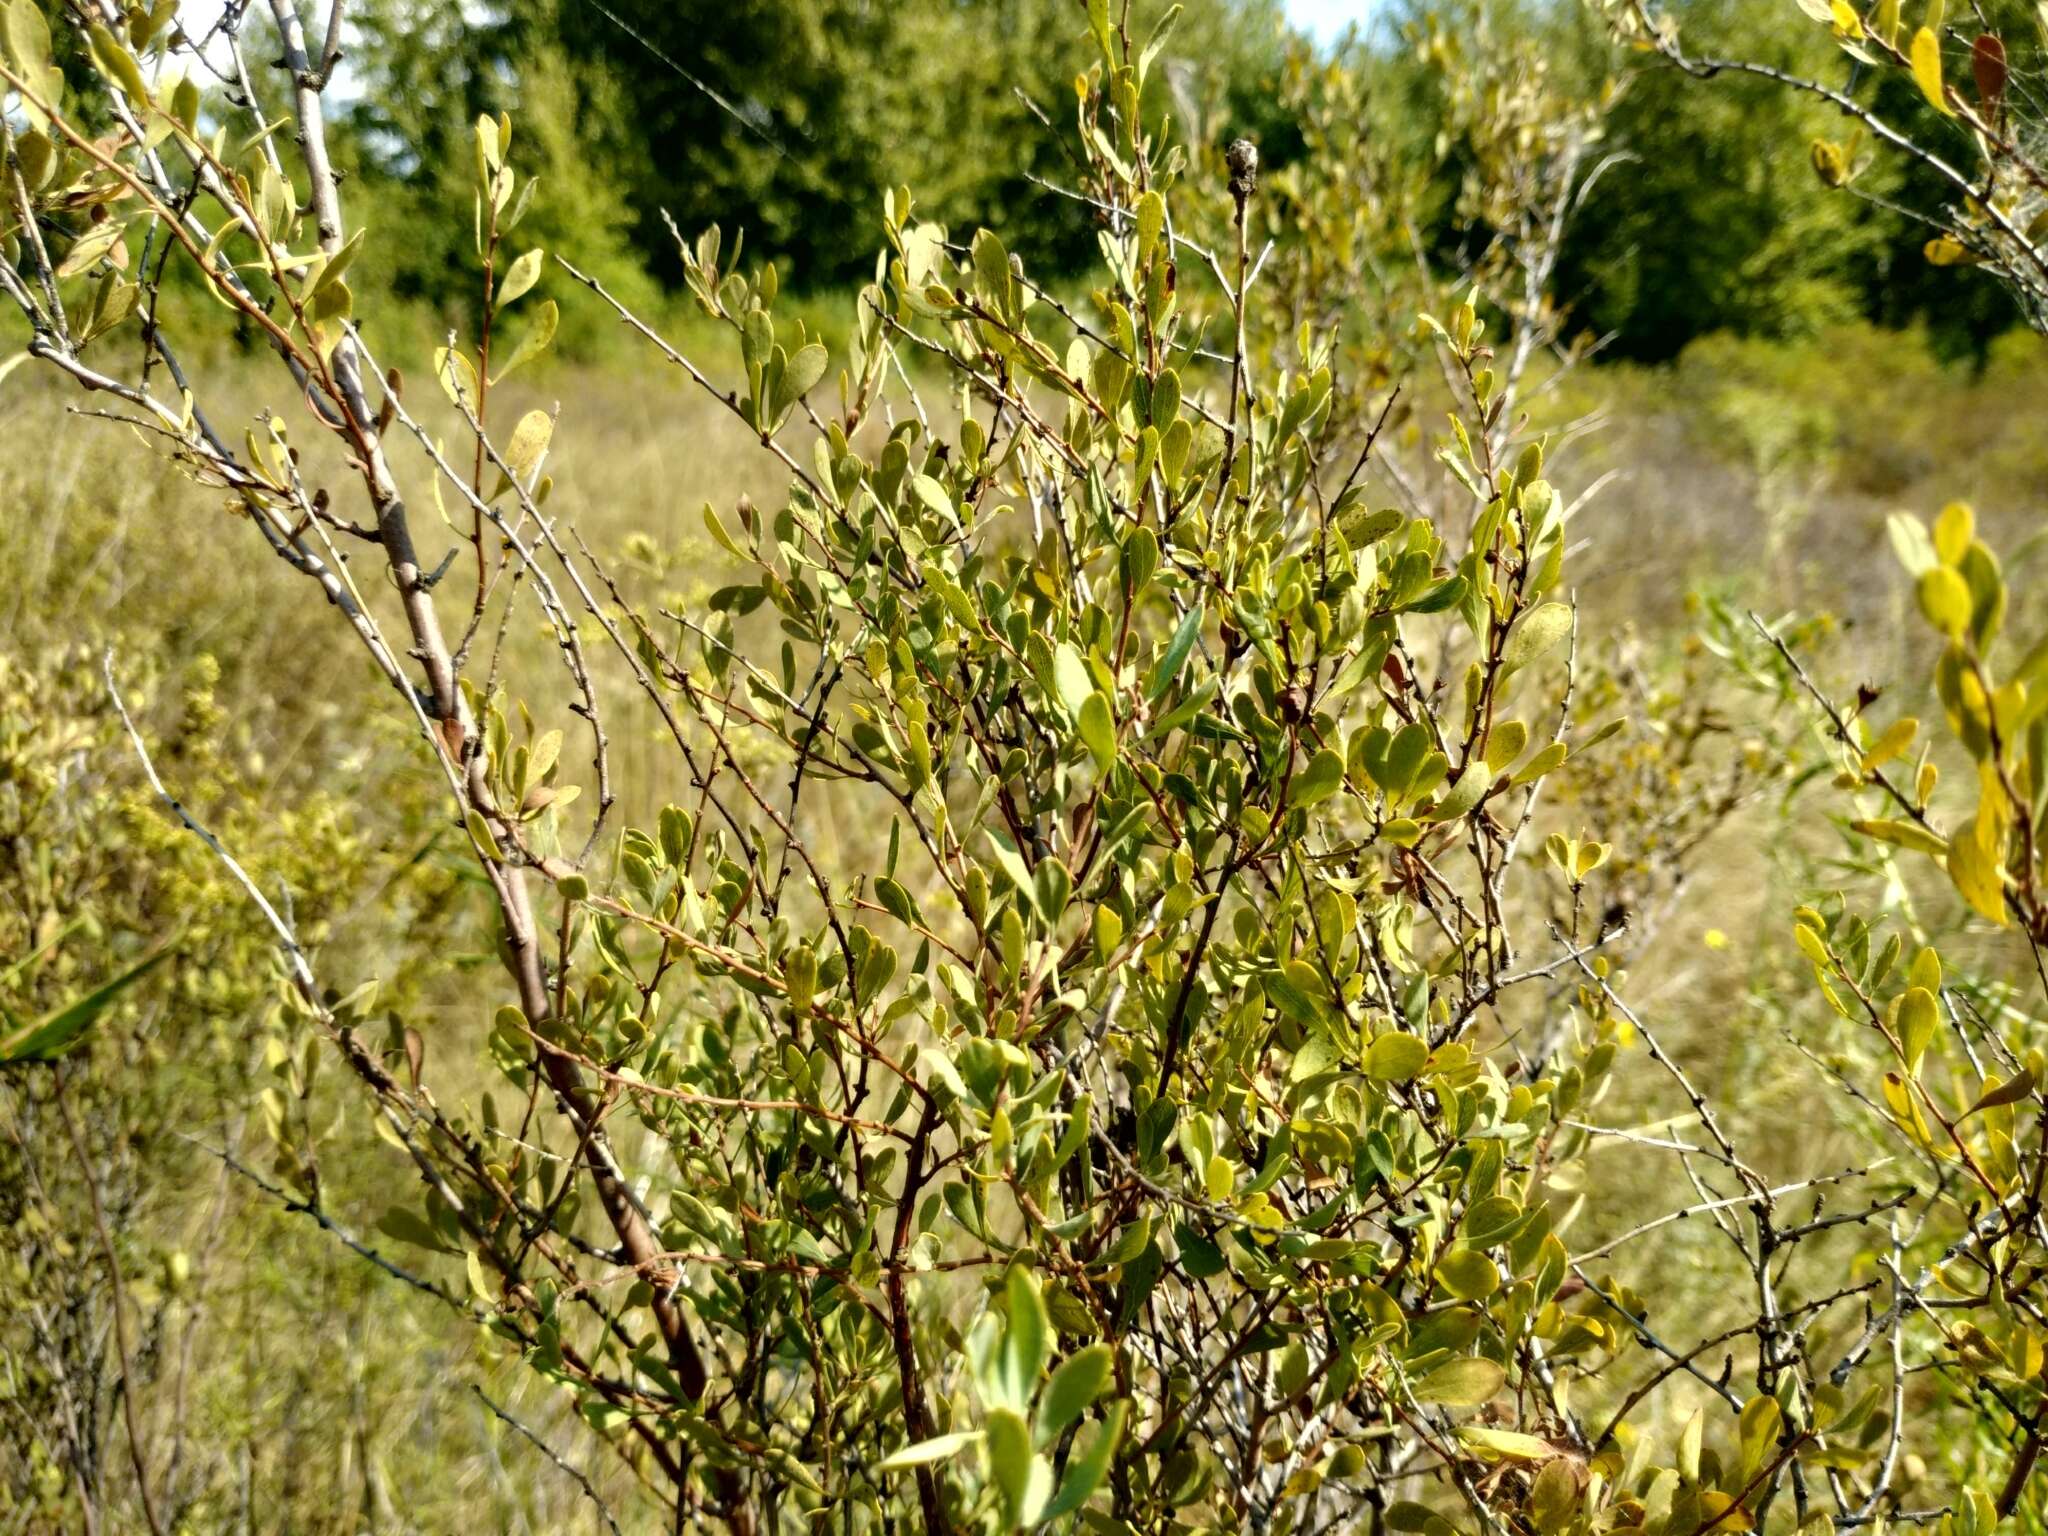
(1242, 157)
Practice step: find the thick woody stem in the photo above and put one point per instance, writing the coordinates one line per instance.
(916, 1420)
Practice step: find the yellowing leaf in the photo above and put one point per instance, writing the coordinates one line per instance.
(1151, 220)
(1976, 858)
(1906, 834)
(1918, 1020)
(1895, 738)
(2011, 1091)
(1468, 1274)
(1905, 1112)
(524, 273)
(1829, 164)
(457, 377)
(1721, 1513)
(1505, 743)
(536, 340)
(1925, 56)
(1945, 600)
(102, 240)
(1954, 527)
(1505, 1444)
(1461, 1383)
(114, 59)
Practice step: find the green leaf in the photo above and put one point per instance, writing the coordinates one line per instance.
(1140, 558)
(1540, 629)
(757, 339)
(407, 1226)
(1098, 23)
(1447, 593)
(1013, 865)
(1361, 525)
(1396, 1057)
(1543, 762)
(115, 60)
(1010, 1460)
(1053, 886)
(803, 371)
(938, 1448)
(26, 35)
(1288, 995)
(1098, 731)
(480, 830)
(339, 263)
(1176, 654)
(1465, 793)
(933, 495)
(900, 903)
(1321, 779)
(1087, 1468)
(1077, 1383)
(1462, 1383)
(1758, 1427)
(800, 977)
(1027, 1341)
(1071, 679)
(53, 1034)
(1151, 221)
(992, 278)
(716, 527)
(1493, 1221)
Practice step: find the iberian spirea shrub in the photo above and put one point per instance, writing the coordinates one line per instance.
(1095, 1029)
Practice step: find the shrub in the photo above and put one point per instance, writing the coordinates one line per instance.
(1938, 111)
(1109, 1029)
